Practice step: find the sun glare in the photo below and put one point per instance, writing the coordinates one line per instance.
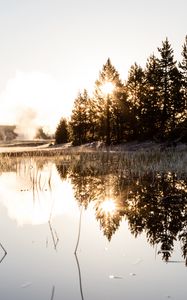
(107, 88)
(108, 206)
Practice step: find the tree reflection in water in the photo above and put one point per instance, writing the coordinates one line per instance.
(155, 203)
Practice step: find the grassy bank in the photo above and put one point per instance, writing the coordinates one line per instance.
(132, 158)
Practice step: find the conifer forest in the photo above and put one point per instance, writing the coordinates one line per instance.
(151, 104)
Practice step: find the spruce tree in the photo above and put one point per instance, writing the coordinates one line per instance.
(79, 123)
(170, 89)
(136, 94)
(61, 133)
(177, 103)
(110, 106)
(183, 69)
(151, 107)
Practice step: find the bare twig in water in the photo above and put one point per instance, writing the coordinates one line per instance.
(49, 180)
(51, 211)
(5, 253)
(53, 292)
(79, 231)
(54, 235)
(46, 242)
(80, 278)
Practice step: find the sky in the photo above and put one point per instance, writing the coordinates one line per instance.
(52, 49)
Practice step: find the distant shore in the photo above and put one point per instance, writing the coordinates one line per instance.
(48, 148)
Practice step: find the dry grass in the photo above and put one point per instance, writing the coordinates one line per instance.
(132, 160)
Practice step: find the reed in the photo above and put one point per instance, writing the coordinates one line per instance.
(131, 162)
(103, 161)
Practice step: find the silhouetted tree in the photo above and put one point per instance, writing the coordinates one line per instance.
(136, 96)
(170, 89)
(61, 133)
(177, 100)
(80, 122)
(151, 106)
(110, 107)
(183, 68)
(182, 128)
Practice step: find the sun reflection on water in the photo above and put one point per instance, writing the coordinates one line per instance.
(108, 206)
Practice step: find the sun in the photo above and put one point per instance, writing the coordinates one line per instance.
(107, 88)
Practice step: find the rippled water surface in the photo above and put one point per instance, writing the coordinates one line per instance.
(68, 233)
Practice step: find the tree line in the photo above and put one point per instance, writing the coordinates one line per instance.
(150, 105)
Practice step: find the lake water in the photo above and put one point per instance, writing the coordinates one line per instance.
(68, 234)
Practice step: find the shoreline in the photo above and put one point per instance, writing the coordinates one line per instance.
(39, 148)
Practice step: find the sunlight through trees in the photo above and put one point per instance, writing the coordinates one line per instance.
(151, 104)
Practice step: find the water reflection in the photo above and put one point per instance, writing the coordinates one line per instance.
(155, 203)
(31, 194)
(86, 220)
(159, 209)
